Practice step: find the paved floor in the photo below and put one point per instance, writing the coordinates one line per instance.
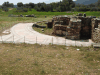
(23, 32)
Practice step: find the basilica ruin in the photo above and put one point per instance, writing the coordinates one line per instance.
(77, 27)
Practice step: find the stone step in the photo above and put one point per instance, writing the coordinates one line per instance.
(96, 45)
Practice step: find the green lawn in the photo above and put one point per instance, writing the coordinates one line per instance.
(2, 13)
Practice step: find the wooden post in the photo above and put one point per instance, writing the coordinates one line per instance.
(65, 41)
(36, 39)
(57, 41)
(75, 42)
(2, 28)
(52, 40)
(5, 26)
(1, 39)
(13, 39)
(24, 39)
(10, 26)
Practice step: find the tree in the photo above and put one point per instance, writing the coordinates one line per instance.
(37, 8)
(7, 4)
(98, 3)
(94, 9)
(77, 5)
(72, 5)
(31, 5)
(91, 5)
(62, 7)
(69, 1)
(49, 7)
(54, 5)
(20, 4)
(58, 9)
(11, 5)
(26, 5)
(4, 8)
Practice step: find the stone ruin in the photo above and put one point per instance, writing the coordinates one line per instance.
(95, 34)
(67, 26)
(11, 15)
(78, 27)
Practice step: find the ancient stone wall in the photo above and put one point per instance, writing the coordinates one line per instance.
(73, 30)
(63, 20)
(77, 27)
(59, 29)
(96, 35)
(94, 25)
(49, 24)
(70, 28)
(59, 25)
(85, 27)
(95, 30)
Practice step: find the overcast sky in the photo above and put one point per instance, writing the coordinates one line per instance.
(28, 1)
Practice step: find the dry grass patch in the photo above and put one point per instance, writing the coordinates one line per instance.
(25, 59)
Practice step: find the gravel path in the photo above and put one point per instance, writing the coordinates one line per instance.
(23, 32)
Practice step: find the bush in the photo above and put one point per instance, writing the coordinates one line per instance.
(94, 9)
(25, 10)
(20, 4)
(98, 9)
(4, 8)
(21, 9)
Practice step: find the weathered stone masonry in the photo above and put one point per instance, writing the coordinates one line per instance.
(78, 27)
(95, 33)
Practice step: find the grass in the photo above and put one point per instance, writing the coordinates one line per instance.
(25, 59)
(7, 22)
(47, 31)
(89, 13)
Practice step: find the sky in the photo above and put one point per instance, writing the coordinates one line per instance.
(28, 1)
